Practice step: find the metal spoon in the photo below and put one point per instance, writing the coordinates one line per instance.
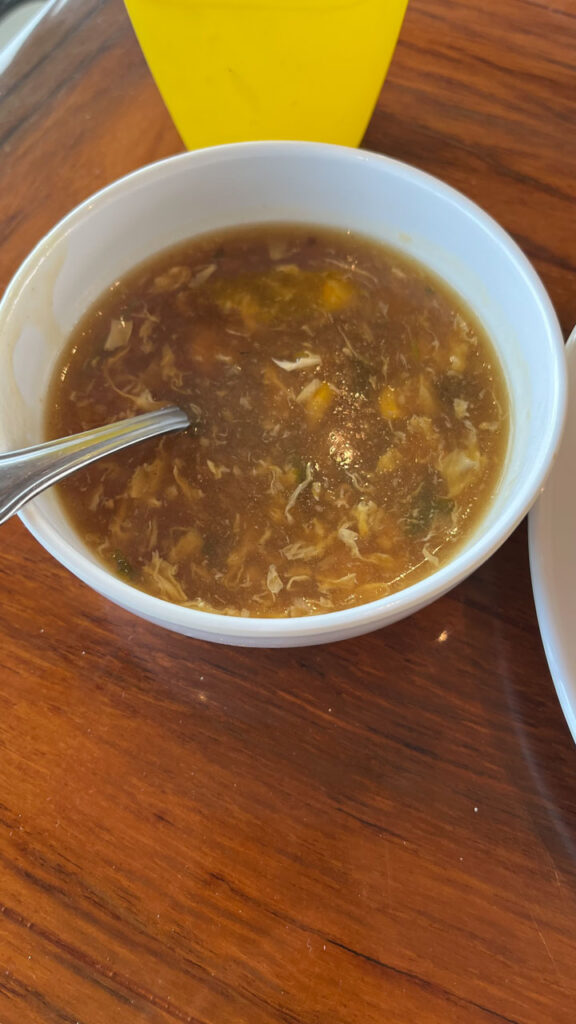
(24, 473)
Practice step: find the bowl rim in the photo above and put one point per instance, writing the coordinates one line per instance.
(359, 618)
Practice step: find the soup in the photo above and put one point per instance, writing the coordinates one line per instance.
(353, 422)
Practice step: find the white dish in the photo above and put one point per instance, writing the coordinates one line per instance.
(552, 540)
(286, 181)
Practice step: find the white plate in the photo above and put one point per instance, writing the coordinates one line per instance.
(552, 540)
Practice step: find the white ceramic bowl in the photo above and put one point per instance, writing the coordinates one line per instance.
(277, 181)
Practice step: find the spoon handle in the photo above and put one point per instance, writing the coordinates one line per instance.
(24, 473)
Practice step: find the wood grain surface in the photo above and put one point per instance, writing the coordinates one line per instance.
(381, 831)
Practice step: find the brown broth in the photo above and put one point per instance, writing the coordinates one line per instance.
(354, 422)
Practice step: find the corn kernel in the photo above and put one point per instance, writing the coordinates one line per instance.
(318, 404)
(389, 461)
(337, 293)
(388, 402)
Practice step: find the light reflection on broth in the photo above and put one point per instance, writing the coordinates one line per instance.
(354, 422)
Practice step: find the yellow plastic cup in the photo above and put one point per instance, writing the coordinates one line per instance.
(237, 70)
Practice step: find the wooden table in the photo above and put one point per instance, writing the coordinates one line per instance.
(381, 831)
